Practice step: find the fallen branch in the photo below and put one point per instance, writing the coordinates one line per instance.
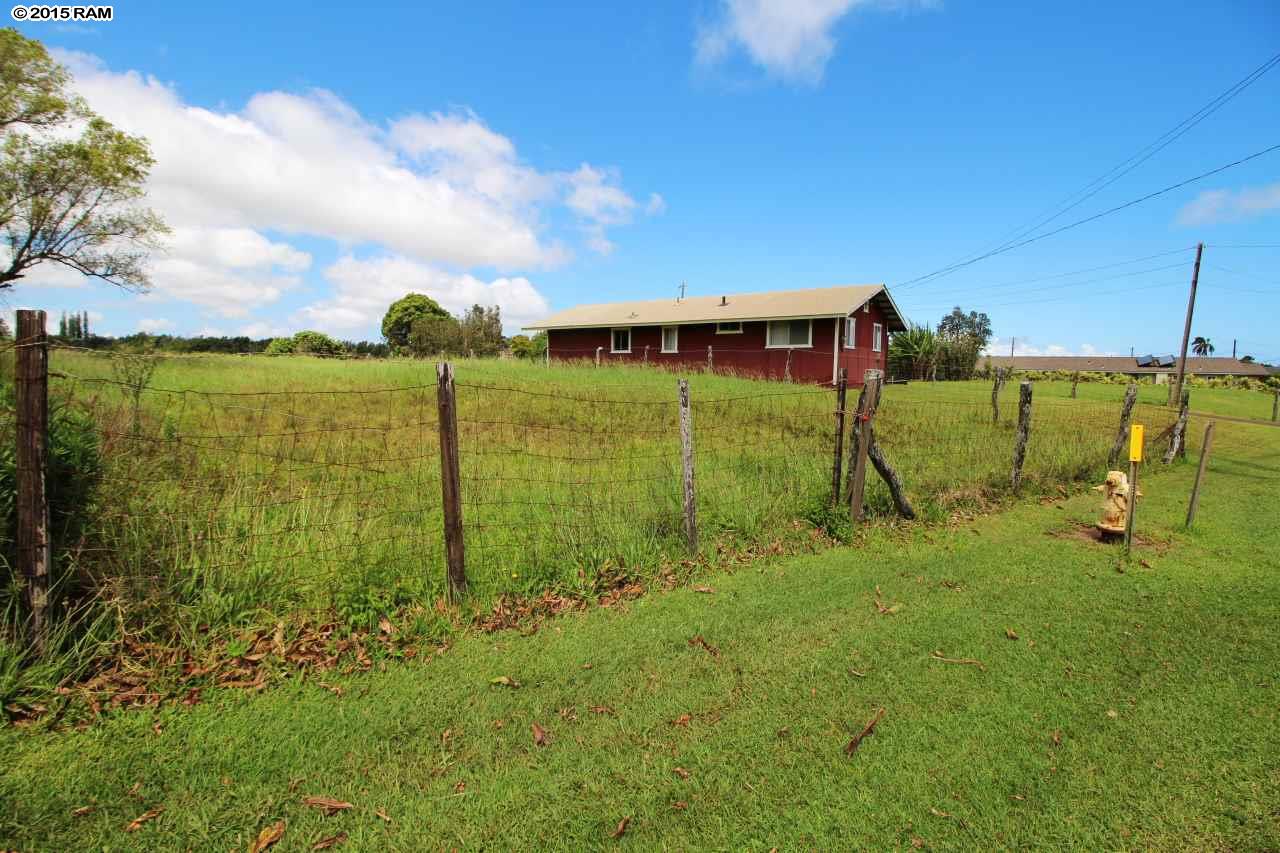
(852, 747)
(969, 661)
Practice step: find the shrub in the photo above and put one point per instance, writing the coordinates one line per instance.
(280, 346)
(316, 343)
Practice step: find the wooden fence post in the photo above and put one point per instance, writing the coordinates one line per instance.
(686, 459)
(598, 350)
(1024, 433)
(1177, 439)
(35, 552)
(867, 402)
(842, 386)
(996, 387)
(786, 372)
(1204, 463)
(710, 364)
(1122, 434)
(450, 483)
(1075, 381)
(646, 353)
(1275, 407)
(890, 477)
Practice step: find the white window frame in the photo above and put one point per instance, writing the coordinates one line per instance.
(769, 335)
(877, 333)
(851, 332)
(737, 331)
(662, 343)
(613, 340)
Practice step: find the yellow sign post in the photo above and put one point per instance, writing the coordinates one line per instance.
(1135, 456)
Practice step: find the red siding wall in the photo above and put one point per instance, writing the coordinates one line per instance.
(743, 353)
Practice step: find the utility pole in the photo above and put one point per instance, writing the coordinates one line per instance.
(681, 299)
(1233, 347)
(1175, 392)
(1012, 341)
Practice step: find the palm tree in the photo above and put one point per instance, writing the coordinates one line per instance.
(1202, 346)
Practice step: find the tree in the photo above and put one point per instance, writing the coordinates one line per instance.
(317, 343)
(1202, 346)
(482, 331)
(522, 346)
(913, 353)
(5, 333)
(959, 326)
(434, 335)
(1247, 359)
(70, 182)
(403, 313)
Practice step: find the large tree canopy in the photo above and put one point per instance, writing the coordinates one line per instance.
(70, 182)
(404, 312)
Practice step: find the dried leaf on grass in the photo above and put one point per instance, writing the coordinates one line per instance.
(679, 805)
(937, 655)
(539, 734)
(707, 590)
(504, 681)
(331, 841)
(601, 709)
(701, 642)
(1010, 633)
(681, 772)
(138, 821)
(682, 720)
(622, 828)
(887, 611)
(83, 810)
(870, 727)
(267, 837)
(328, 805)
(382, 814)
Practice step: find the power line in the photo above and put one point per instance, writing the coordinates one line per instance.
(1011, 246)
(1116, 173)
(1062, 284)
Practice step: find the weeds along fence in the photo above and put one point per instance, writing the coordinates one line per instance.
(195, 506)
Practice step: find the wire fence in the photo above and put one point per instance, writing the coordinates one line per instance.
(215, 504)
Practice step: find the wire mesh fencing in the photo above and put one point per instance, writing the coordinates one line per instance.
(215, 503)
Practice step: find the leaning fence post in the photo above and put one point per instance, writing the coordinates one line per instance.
(31, 380)
(867, 401)
(646, 353)
(450, 483)
(1204, 463)
(1177, 439)
(786, 371)
(996, 387)
(842, 388)
(709, 361)
(1275, 407)
(1122, 434)
(1024, 433)
(686, 459)
(1075, 381)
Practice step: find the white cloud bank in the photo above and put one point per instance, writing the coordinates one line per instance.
(791, 39)
(1023, 346)
(1215, 206)
(441, 192)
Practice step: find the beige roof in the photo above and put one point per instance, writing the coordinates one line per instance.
(1196, 365)
(771, 305)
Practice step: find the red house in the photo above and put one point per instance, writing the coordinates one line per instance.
(803, 335)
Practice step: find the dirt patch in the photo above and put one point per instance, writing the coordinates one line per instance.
(1090, 533)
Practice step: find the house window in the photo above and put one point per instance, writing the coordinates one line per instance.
(621, 340)
(670, 338)
(877, 332)
(734, 328)
(851, 333)
(789, 333)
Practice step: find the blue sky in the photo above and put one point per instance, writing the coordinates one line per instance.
(316, 163)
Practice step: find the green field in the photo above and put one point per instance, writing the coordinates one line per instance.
(1136, 708)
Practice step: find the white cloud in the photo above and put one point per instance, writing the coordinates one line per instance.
(1214, 206)
(211, 332)
(152, 325)
(1023, 346)
(656, 204)
(363, 288)
(791, 39)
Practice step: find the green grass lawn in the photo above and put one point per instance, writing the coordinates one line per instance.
(1136, 709)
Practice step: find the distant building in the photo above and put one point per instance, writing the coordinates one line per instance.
(807, 335)
(1160, 368)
